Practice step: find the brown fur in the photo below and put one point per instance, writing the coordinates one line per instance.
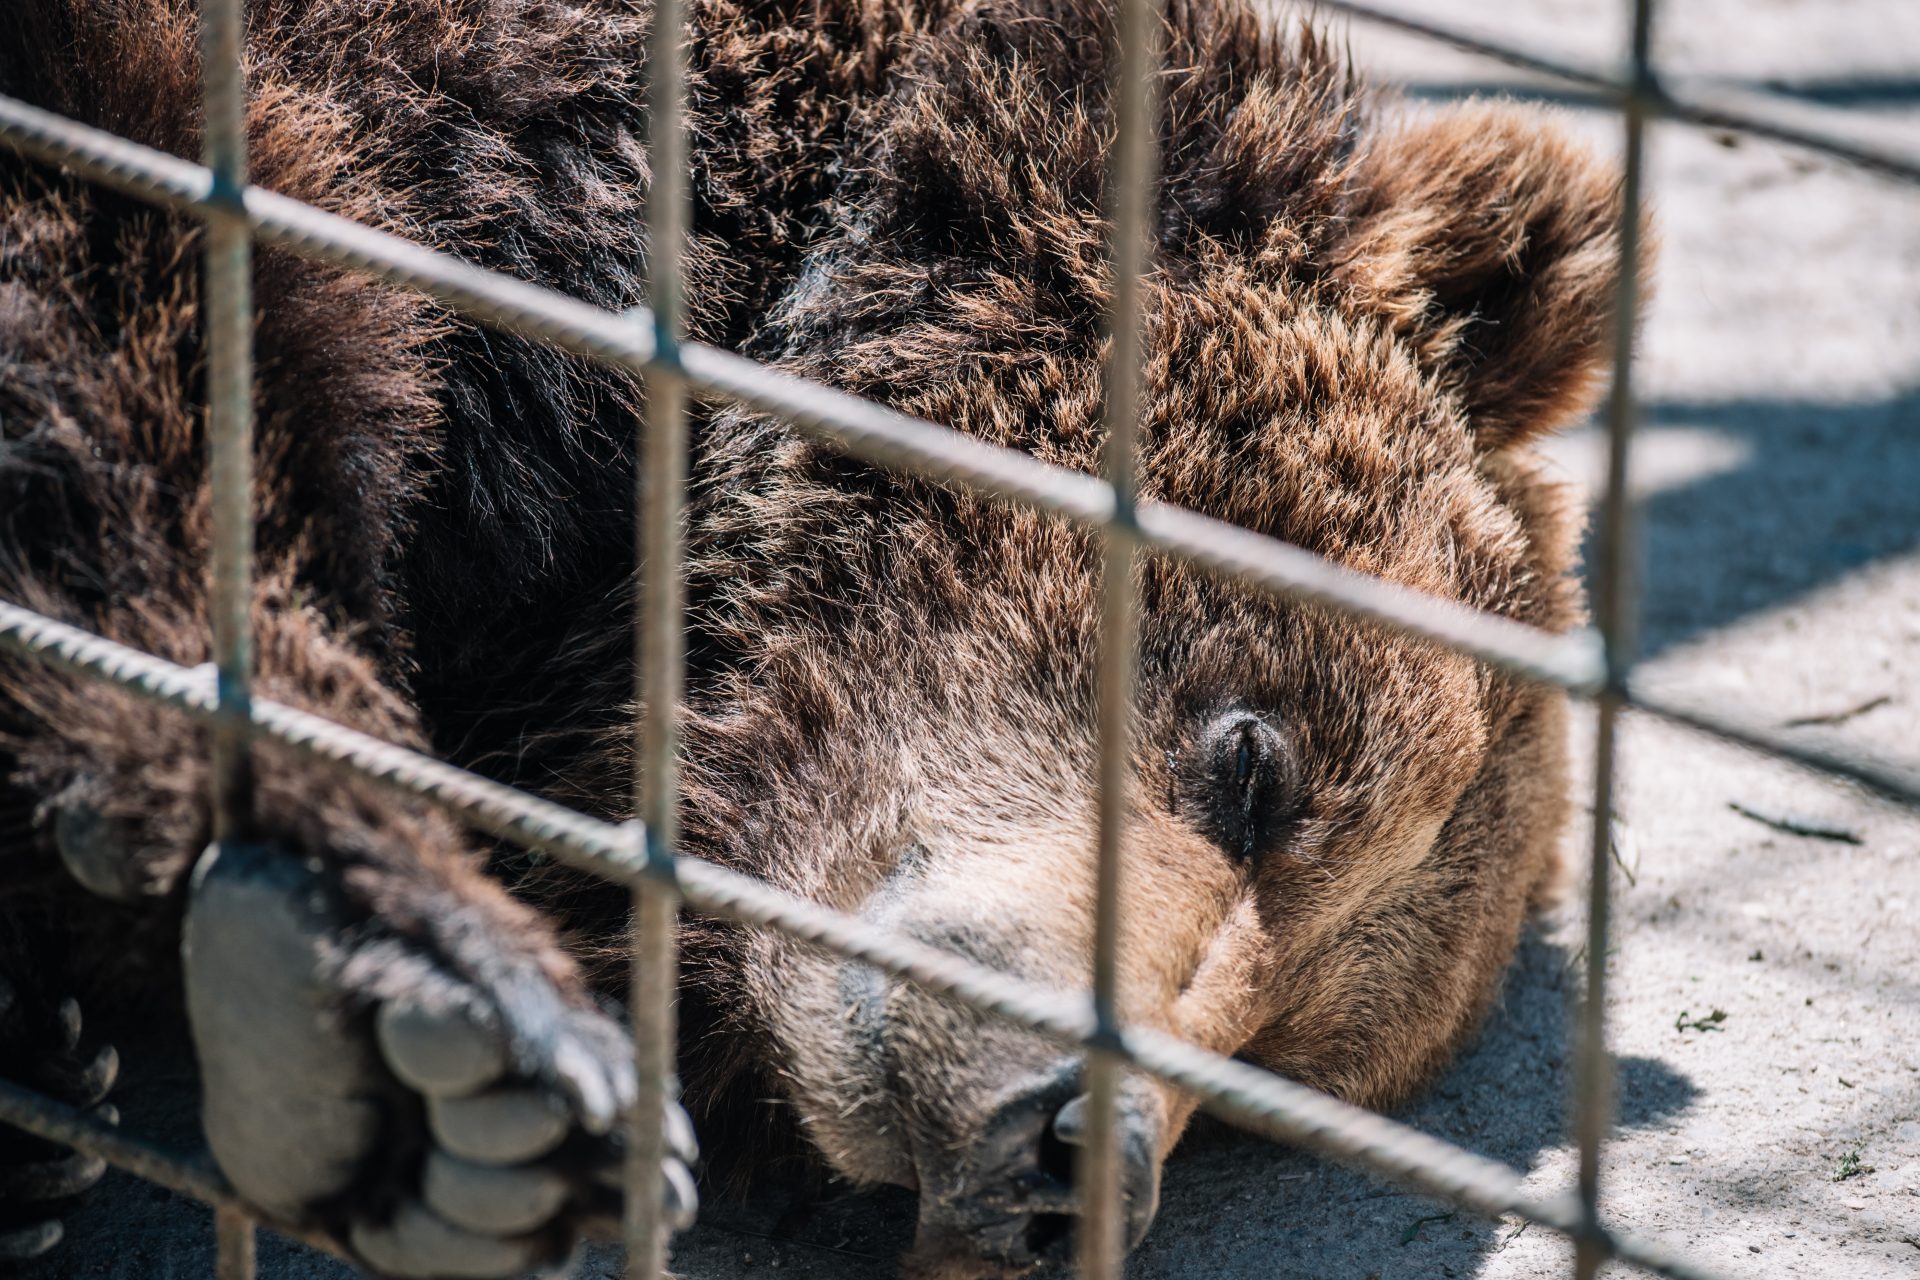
(1356, 323)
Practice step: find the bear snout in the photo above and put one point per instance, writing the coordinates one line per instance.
(982, 1118)
(1009, 1198)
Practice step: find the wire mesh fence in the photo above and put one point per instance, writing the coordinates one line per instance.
(1593, 664)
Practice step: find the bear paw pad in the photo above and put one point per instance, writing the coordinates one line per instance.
(440, 1124)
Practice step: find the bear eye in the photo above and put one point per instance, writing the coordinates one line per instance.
(1236, 782)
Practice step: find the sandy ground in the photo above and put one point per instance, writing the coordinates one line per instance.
(1780, 467)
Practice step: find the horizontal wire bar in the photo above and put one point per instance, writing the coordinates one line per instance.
(57, 1122)
(1713, 107)
(881, 435)
(1236, 1092)
(496, 809)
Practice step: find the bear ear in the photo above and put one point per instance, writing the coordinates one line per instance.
(1487, 240)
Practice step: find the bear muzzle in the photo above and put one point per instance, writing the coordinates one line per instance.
(1009, 1198)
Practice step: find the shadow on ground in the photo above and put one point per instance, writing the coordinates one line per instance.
(1826, 489)
(1859, 92)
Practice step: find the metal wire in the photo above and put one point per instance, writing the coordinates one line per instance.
(228, 307)
(58, 1122)
(1614, 607)
(228, 304)
(1101, 1241)
(887, 438)
(1892, 780)
(659, 639)
(1243, 1094)
(235, 1253)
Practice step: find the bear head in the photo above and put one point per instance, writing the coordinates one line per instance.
(1356, 320)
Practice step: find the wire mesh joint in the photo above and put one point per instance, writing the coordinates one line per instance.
(651, 856)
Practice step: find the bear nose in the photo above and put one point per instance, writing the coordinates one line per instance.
(1012, 1198)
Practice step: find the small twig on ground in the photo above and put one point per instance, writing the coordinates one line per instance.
(1838, 717)
(1709, 1023)
(1513, 1235)
(1813, 828)
(1625, 850)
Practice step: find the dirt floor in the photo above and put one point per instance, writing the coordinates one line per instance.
(1766, 986)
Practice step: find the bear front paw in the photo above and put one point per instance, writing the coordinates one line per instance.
(43, 1047)
(439, 1123)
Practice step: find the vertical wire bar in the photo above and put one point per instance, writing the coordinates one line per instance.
(234, 1241)
(662, 646)
(228, 307)
(1614, 613)
(1102, 1237)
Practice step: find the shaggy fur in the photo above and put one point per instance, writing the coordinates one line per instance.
(1356, 323)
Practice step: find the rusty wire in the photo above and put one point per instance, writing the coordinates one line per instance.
(1235, 1091)
(647, 342)
(868, 430)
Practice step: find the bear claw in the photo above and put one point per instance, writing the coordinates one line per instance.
(54, 1179)
(37, 1178)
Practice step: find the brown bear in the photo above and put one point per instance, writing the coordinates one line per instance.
(1357, 320)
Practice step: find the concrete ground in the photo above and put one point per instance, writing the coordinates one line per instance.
(1765, 1001)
